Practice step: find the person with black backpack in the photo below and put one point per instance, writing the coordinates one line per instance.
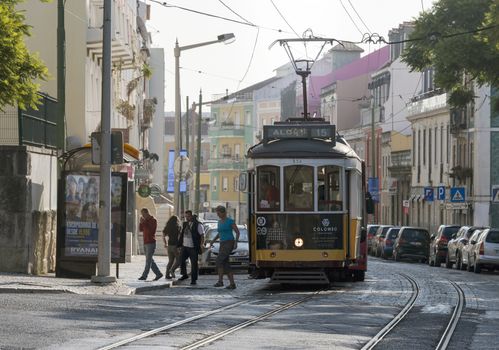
(191, 240)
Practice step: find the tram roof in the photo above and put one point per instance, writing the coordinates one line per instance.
(302, 148)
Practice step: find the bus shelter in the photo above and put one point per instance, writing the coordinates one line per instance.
(78, 211)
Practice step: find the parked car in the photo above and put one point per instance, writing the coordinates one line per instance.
(438, 243)
(239, 258)
(371, 231)
(468, 248)
(387, 245)
(379, 238)
(455, 246)
(485, 251)
(412, 243)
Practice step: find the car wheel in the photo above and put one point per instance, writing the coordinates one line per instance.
(437, 261)
(469, 267)
(448, 264)
(396, 256)
(477, 267)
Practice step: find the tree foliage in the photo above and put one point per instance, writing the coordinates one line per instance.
(19, 69)
(459, 39)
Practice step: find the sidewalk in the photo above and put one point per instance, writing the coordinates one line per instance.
(127, 283)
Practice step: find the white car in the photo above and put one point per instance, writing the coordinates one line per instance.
(485, 251)
(468, 248)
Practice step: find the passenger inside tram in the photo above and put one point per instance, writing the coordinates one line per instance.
(269, 196)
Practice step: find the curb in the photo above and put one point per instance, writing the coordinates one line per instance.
(141, 290)
(35, 291)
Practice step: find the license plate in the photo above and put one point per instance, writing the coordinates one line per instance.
(416, 243)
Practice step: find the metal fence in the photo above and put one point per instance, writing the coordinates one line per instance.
(9, 126)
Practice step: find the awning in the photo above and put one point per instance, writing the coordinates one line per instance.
(412, 198)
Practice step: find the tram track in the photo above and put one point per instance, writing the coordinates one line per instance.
(449, 329)
(219, 335)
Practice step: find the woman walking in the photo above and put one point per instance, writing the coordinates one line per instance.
(172, 231)
(227, 244)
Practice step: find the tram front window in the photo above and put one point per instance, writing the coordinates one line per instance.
(299, 182)
(329, 188)
(268, 188)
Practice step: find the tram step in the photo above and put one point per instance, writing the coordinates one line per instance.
(300, 277)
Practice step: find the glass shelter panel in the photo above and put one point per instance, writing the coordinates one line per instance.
(299, 188)
(268, 190)
(330, 188)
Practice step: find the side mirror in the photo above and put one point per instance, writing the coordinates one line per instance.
(243, 182)
(432, 237)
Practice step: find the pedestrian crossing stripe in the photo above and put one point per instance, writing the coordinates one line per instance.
(458, 197)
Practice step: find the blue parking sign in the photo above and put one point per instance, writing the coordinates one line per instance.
(441, 193)
(428, 194)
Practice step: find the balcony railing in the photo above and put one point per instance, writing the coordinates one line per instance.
(227, 163)
(428, 104)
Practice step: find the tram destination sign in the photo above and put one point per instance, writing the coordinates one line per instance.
(275, 132)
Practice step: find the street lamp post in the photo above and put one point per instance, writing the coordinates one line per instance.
(224, 38)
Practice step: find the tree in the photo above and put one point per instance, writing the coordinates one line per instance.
(19, 69)
(459, 39)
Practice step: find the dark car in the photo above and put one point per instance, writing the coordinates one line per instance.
(438, 243)
(456, 246)
(388, 242)
(378, 239)
(412, 243)
(371, 231)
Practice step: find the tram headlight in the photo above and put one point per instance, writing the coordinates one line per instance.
(299, 242)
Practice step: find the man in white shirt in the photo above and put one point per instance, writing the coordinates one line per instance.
(191, 240)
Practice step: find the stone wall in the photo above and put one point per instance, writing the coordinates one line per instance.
(27, 234)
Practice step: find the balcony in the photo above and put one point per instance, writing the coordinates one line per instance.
(227, 162)
(226, 130)
(427, 103)
(124, 43)
(400, 163)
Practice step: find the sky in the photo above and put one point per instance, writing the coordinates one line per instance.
(248, 60)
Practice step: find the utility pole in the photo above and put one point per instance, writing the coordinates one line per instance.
(104, 243)
(187, 117)
(198, 154)
(61, 76)
(373, 153)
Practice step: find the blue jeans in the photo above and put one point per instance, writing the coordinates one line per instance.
(150, 264)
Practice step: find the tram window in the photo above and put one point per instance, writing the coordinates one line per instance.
(299, 185)
(268, 188)
(329, 188)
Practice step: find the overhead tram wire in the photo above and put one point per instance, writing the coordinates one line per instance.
(234, 12)
(165, 4)
(348, 14)
(364, 23)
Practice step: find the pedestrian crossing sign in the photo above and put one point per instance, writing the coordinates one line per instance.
(495, 193)
(457, 194)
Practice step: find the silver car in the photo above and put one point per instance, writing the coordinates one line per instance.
(239, 258)
(485, 251)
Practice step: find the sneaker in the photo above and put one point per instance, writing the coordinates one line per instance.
(193, 283)
(142, 278)
(158, 277)
(183, 277)
(218, 284)
(231, 286)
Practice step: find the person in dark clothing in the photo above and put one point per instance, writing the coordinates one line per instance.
(171, 234)
(191, 239)
(148, 225)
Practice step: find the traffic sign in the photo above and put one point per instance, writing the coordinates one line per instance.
(495, 193)
(428, 194)
(406, 203)
(155, 190)
(457, 195)
(144, 191)
(441, 193)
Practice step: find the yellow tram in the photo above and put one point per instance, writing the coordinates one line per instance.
(306, 205)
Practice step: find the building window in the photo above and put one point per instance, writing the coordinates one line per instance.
(448, 143)
(248, 118)
(236, 183)
(214, 151)
(424, 147)
(413, 147)
(237, 151)
(441, 144)
(226, 151)
(214, 183)
(435, 155)
(419, 147)
(268, 191)
(225, 184)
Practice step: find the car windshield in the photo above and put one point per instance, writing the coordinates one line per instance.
(243, 237)
(449, 231)
(492, 237)
(393, 233)
(415, 235)
(372, 230)
(384, 230)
